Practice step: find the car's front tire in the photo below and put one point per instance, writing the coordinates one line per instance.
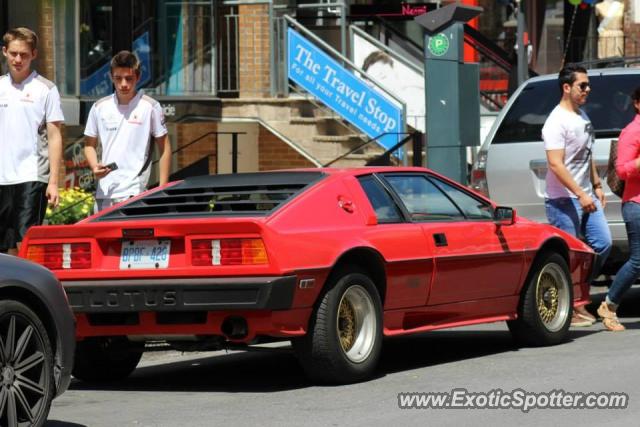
(26, 367)
(106, 358)
(544, 312)
(344, 339)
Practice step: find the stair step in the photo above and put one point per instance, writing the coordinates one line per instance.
(338, 138)
(307, 120)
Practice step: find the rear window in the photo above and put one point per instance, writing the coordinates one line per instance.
(609, 107)
(244, 194)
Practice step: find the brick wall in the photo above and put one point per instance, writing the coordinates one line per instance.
(275, 154)
(631, 31)
(45, 40)
(253, 50)
(187, 132)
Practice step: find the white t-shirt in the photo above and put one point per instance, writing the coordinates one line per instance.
(25, 110)
(124, 134)
(574, 133)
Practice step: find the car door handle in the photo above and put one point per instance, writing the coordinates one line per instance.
(440, 239)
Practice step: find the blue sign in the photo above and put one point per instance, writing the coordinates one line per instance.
(351, 97)
(99, 82)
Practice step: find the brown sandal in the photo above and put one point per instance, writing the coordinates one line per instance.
(613, 324)
(609, 318)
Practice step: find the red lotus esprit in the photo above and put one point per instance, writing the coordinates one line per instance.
(331, 259)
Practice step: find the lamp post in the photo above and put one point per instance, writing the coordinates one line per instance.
(523, 60)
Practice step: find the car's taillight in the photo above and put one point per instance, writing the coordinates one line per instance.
(479, 174)
(57, 256)
(228, 252)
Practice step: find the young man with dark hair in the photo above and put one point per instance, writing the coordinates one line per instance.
(30, 141)
(574, 199)
(123, 124)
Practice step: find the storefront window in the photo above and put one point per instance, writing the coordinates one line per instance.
(182, 53)
(173, 40)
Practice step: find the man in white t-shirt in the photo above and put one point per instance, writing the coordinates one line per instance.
(574, 199)
(30, 140)
(123, 124)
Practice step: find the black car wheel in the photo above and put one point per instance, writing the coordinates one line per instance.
(344, 339)
(544, 313)
(26, 367)
(106, 359)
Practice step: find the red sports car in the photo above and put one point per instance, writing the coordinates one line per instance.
(331, 259)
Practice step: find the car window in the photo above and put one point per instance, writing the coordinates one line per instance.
(381, 201)
(609, 107)
(422, 199)
(472, 207)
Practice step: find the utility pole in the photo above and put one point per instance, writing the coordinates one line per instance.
(523, 60)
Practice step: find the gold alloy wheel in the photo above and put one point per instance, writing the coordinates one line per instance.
(356, 324)
(346, 325)
(552, 297)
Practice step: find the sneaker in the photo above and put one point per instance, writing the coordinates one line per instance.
(579, 322)
(609, 318)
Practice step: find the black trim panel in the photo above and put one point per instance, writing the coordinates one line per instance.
(118, 296)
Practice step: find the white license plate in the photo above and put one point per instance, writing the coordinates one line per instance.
(145, 254)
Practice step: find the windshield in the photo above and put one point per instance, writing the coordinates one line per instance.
(609, 107)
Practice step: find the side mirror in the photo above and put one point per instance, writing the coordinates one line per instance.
(503, 215)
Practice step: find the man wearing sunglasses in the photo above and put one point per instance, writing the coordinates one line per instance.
(574, 199)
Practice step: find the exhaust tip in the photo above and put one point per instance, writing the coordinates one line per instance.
(235, 327)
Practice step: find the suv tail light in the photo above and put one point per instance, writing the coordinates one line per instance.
(228, 252)
(479, 174)
(61, 255)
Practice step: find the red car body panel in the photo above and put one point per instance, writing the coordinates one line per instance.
(476, 277)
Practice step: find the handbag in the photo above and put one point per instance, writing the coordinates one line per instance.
(613, 180)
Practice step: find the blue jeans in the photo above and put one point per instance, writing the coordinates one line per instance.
(566, 214)
(630, 271)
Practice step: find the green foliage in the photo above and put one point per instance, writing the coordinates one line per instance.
(75, 204)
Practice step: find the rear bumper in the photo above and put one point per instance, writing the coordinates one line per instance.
(178, 307)
(200, 294)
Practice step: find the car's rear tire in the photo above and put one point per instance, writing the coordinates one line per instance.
(544, 312)
(26, 367)
(344, 339)
(106, 358)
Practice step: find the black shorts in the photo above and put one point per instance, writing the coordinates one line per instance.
(21, 206)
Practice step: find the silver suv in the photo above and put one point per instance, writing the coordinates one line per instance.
(511, 165)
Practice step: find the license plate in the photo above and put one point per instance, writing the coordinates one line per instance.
(137, 254)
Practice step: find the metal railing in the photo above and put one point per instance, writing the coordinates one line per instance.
(395, 155)
(228, 54)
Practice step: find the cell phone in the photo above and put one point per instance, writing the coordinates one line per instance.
(113, 166)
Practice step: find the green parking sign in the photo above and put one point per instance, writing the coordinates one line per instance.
(438, 44)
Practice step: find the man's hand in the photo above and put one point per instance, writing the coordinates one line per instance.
(600, 195)
(52, 195)
(100, 171)
(587, 203)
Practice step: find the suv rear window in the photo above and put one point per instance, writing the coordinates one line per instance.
(609, 107)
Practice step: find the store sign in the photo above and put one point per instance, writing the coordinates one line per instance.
(364, 106)
(99, 82)
(78, 172)
(391, 10)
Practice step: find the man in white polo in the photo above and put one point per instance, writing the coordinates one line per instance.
(122, 124)
(30, 140)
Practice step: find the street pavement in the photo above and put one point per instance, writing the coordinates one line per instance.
(269, 388)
